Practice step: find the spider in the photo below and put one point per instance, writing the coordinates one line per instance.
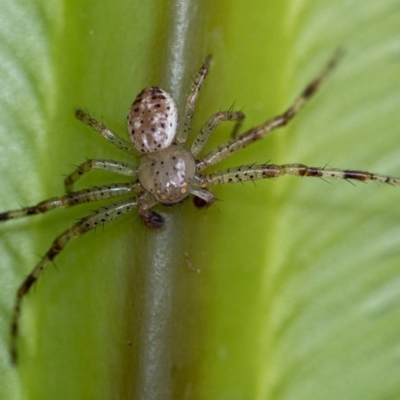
(169, 170)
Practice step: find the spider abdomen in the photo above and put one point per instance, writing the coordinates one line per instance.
(152, 120)
(168, 173)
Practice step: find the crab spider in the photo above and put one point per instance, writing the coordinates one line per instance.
(169, 169)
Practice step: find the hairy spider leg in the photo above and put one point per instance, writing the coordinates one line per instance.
(266, 171)
(92, 194)
(191, 102)
(254, 134)
(97, 218)
(107, 134)
(211, 124)
(117, 167)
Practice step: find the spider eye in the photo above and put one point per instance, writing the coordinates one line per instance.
(152, 120)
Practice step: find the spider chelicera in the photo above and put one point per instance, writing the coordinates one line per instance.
(169, 170)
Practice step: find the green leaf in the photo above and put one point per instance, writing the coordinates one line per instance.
(287, 289)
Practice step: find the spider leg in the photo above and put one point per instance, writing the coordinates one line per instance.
(97, 218)
(72, 199)
(260, 131)
(107, 134)
(191, 102)
(117, 167)
(205, 195)
(211, 124)
(265, 171)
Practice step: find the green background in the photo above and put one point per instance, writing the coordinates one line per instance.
(286, 289)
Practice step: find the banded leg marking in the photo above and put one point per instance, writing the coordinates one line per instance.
(117, 167)
(72, 199)
(191, 102)
(211, 124)
(97, 218)
(266, 171)
(107, 134)
(259, 132)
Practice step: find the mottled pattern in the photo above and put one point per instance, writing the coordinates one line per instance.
(152, 120)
